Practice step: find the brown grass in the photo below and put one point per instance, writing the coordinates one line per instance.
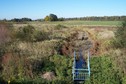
(4, 32)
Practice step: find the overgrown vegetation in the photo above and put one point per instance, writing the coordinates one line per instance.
(30, 34)
(104, 70)
(22, 72)
(120, 34)
(31, 51)
(5, 32)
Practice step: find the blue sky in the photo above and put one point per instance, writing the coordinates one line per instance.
(36, 9)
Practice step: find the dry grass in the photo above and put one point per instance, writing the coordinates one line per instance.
(4, 32)
(96, 34)
(38, 50)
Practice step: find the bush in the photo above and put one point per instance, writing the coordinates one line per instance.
(63, 66)
(41, 36)
(120, 36)
(29, 34)
(103, 71)
(26, 33)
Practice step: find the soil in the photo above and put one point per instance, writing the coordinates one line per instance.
(77, 41)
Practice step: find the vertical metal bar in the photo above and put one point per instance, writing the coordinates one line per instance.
(74, 64)
(89, 63)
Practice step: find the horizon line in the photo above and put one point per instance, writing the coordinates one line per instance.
(65, 17)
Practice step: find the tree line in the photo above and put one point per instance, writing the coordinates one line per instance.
(99, 18)
(53, 17)
(20, 20)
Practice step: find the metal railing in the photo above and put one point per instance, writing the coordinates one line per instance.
(81, 74)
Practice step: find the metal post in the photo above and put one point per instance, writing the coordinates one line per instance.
(89, 63)
(74, 64)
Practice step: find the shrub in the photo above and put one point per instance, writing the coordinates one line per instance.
(15, 66)
(29, 34)
(103, 71)
(63, 66)
(120, 36)
(41, 36)
(26, 33)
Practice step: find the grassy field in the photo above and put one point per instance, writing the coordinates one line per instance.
(70, 24)
(80, 23)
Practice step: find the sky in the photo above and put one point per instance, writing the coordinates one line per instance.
(37, 9)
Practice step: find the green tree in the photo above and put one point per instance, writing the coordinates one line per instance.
(51, 17)
(47, 18)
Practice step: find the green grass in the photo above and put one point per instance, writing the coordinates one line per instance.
(79, 23)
